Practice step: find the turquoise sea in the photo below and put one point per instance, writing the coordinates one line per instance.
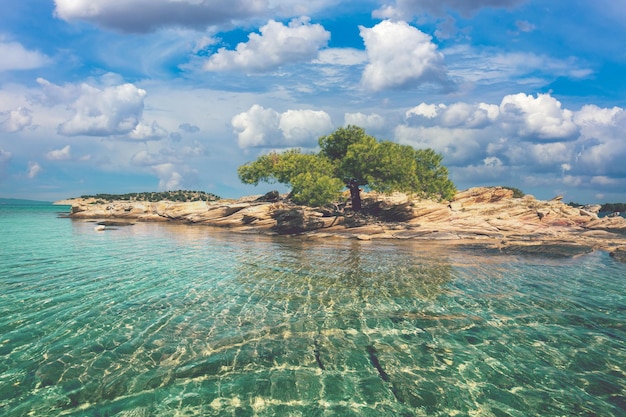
(176, 320)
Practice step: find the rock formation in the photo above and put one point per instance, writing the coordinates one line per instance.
(489, 216)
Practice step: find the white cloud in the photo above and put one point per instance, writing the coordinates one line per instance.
(590, 115)
(33, 170)
(521, 135)
(428, 111)
(369, 122)
(60, 154)
(261, 127)
(16, 57)
(111, 110)
(257, 127)
(492, 161)
(459, 146)
(401, 55)
(538, 118)
(468, 115)
(169, 177)
(519, 115)
(303, 127)
(145, 158)
(604, 181)
(554, 154)
(17, 120)
(276, 45)
(143, 132)
(462, 115)
(602, 148)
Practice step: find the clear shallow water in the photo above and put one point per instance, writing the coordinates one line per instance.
(169, 320)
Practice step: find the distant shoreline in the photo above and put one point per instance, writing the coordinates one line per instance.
(20, 201)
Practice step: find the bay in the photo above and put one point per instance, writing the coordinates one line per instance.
(160, 319)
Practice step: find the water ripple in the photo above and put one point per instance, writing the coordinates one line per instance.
(173, 320)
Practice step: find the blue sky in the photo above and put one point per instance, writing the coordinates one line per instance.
(104, 96)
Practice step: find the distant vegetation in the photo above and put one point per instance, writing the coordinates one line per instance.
(605, 208)
(517, 193)
(613, 207)
(180, 195)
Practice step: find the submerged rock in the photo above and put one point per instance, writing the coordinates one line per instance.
(619, 254)
(548, 250)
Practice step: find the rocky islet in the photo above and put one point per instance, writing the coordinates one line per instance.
(489, 217)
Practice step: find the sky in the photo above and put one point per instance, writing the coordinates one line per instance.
(119, 96)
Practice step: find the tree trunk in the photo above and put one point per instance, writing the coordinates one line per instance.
(355, 195)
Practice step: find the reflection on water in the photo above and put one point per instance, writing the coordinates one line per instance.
(169, 320)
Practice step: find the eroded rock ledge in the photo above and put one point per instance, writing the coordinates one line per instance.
(486, 216)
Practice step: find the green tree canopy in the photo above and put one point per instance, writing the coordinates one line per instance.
(350, 157)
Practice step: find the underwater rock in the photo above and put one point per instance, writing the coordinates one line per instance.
(619, 254)
(547, 250)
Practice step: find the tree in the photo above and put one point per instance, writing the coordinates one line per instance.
(350, 158)
(310, 176)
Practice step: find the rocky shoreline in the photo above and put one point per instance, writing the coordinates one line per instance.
(489, 217)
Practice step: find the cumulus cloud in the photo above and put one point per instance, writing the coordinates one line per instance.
(257, 127)
(276, 45)
(111, 110)
(261, 127)
(60, 154)
(16, 57)
(462, 115)
(33, 169)
(143, 132)
(400, 56)
(519, 135)
(16, 120)
(591, 115)
(602, 148)
(407, 9)
(538, 117)
(466, 131)
(169, 177)
(520, 116)
(428, 111)
(370, 122)
(459, 146)
(146, 158)
(469, 116)
(303, 126)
